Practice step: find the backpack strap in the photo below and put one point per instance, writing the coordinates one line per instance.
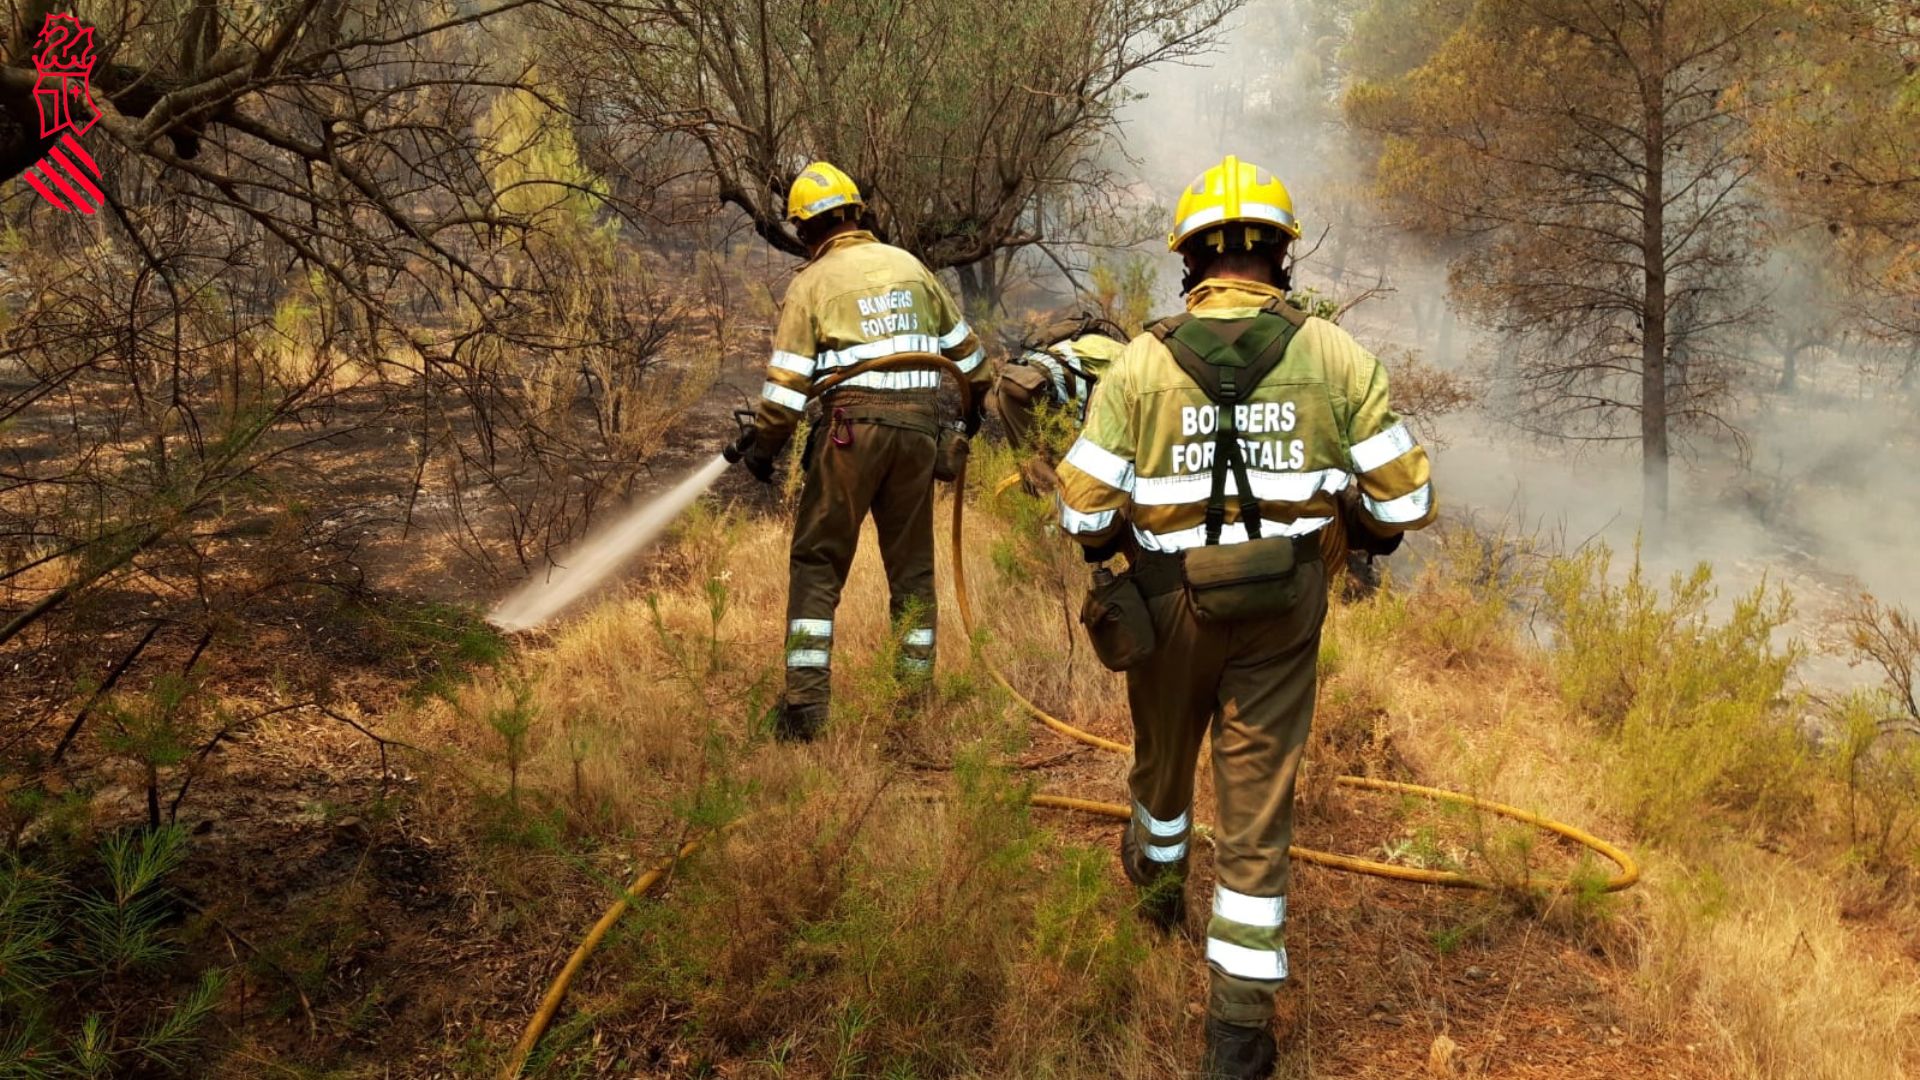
(1227, 371)
(1226, 455)
(1163, 328)
(1075, 326)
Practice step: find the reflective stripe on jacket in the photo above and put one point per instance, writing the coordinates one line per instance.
(859, 300)
(1073, 366)
(1319, 422)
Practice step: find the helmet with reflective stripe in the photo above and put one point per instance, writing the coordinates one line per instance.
(1233, 192)
(820, 187)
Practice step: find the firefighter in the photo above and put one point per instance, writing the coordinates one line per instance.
(871, 448)
(1056, 368)
(1223, 440)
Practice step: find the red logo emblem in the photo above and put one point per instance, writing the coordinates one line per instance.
(63, 58)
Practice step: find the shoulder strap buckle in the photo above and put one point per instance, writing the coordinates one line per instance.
(1216, 521)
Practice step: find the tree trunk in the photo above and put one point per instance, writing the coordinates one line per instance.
(1653, 238)
(979, 288)
(969, 276)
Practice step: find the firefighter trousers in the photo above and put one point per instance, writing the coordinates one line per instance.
(1250, 686)
(866, 462)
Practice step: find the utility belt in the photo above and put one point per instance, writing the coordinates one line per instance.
(1160, 572)
(837, 418)
(915, 411)
(840, 410)
(909, 410)
(1226, 583)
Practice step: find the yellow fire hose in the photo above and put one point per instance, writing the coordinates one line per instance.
(1626, 877)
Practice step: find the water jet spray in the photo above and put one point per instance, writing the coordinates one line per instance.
(595, 559)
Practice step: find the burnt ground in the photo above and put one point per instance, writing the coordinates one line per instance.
(327, 869)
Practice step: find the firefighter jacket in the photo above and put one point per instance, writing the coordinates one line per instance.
(1318, 423)
(1073, 366)
(858, 300)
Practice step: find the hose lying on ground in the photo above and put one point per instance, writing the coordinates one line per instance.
(1627, 875)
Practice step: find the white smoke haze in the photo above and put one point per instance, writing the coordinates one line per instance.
(1824, 495)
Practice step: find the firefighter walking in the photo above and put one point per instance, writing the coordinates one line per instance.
(1225, 440)
(872, 445)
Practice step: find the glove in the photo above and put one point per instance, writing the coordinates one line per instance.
(759, 464)
(1359, 536)
(1101, 553)
(746, 451)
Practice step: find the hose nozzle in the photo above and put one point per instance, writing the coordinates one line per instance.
(737, 449)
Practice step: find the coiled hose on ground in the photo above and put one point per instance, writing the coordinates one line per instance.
(1627, 875)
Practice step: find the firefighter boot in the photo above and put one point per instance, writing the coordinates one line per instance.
(799, 723)
(1162, 887)
(1238, 1053)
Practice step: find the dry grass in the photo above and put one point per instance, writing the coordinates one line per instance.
(839, 923)
(1756, 948)
(850, 927)
(1729, 938)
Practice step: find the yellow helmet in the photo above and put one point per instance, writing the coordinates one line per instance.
(820, 187)
(1233, 192)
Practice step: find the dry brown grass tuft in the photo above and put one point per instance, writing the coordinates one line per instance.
(1756, 950)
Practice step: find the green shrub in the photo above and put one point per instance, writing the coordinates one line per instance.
(88, 979)
(1465, 597)
(434, 646)
(1124, 289)
(1877, 763)
(157, 730)
(1695, 710)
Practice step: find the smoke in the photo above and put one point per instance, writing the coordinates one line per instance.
(1827, 495)
(1825, 504)
(1820, 491)
(595, 560)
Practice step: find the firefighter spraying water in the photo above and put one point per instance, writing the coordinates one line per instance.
(880, 442)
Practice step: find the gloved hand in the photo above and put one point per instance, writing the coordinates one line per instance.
(1359, 536)
(759, 464)
(747, 451)
(1102, 552)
